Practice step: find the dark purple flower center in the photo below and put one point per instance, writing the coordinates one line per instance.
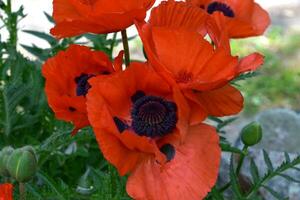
(152, 116)
(221, 7)
(169, 151)
(82, 84)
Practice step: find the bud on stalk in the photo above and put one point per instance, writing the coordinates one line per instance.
(251, 134)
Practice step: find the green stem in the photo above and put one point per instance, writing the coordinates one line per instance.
(241, 160)
(11, 24)
(22, 191)
(126, 47)
(238, 169)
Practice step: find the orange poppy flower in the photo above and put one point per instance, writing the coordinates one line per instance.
(6, 191)
(184, 58)
(67, 76)
(75, 17)
(142, 128)
(242, 18)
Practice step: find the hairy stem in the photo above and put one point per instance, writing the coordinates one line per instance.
(241, 160)
(126, 47)
(22, 191)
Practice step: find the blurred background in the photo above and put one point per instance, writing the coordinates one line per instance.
(272, 96)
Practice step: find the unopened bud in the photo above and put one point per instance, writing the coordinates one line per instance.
(251, 134)
(22, 164)
(4, 155)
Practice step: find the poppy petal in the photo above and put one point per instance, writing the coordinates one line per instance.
(221, 102)
(119, 61)
(250, 62)
(96, 16)
(186, 175)
(61, 73)
(6, 191)
(178, 15)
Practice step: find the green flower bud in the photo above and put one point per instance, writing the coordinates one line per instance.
(22, 164)
(4, 155)
(251, 134)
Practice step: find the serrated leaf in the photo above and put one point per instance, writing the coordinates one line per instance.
(268, 161)
(51, 40)
(295, 168)
(215, 119)
(51, 184)
(254, 171)
(234, 181)
(289, 178)
(49, 17)
(42, 54)
(287, 157)
(274, 193)
(226, 122)
(245, 76)
(228, 148)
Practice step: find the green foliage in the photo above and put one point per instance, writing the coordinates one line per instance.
(278, 80)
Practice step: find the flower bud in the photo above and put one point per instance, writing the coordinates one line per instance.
(4, 155)
(251, 134)
(22, 164)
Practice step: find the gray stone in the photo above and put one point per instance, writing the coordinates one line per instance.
(281, 130)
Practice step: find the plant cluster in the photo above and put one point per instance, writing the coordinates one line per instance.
(145, 118)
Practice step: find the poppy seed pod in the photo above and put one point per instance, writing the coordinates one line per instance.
(251, 134)
(4, 155)
(22, 164)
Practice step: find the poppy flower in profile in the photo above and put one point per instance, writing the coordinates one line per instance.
(142, 129)
(6, 191)
(76, 17)
(239, 18)
(184, 58)
(67, 76)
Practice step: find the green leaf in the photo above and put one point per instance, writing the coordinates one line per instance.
(234, 181)
(42, 54)
(274, 193)
(287, 157)
(228, 148)
(49, 17)
(216, 194)
(215, 119)
(297, 169)
(12, 94)
(52, 185)
(289, 178)
(245, 76)
(254, 171)
(51, 40)
(268, 161)
(226, 122)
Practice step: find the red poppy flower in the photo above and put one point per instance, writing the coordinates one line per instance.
(6, 191)
(242, 18)
(140, 123)
(75, 17)
(67, 77)
(184, 58)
